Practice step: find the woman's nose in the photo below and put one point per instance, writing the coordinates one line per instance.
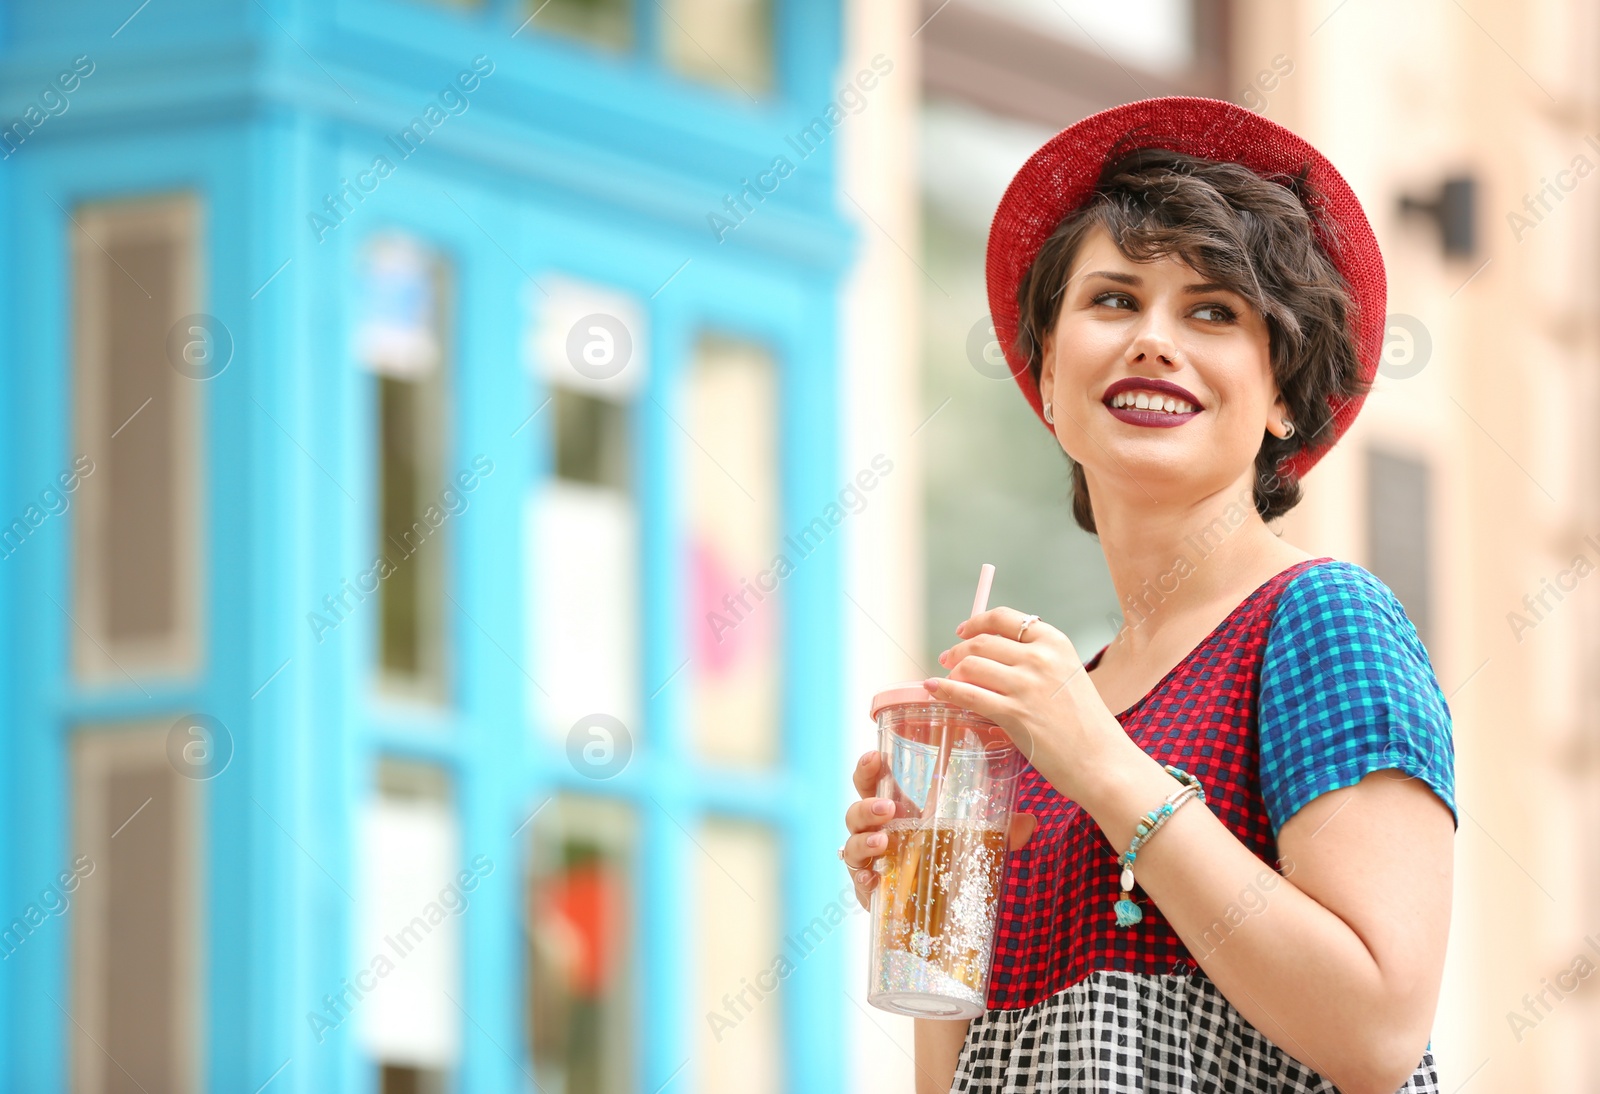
(1152, 339)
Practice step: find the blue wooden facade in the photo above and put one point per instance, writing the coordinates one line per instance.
(569, 160)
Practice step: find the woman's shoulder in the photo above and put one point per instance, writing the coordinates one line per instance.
(1327, 572)
(1336, 621)
(1330, 596)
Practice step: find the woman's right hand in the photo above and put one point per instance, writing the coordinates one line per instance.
(865, 820)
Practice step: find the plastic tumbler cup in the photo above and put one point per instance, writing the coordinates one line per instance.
(952, 776)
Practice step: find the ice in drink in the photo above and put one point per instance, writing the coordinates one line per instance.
(952, 777)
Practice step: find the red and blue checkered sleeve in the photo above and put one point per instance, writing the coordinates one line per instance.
(1347, 688)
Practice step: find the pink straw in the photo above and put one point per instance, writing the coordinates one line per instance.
(980, 604)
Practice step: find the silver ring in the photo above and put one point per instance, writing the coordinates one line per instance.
(1025, 624)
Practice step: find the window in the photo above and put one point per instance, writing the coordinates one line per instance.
(742, 963)
(135, 532)
(1399, 544)
(728, 446)
(409, 1080)
(136, 940)
(580, 923)
(604, 22)
(404, 335)
(408, 957)
(726, 42)
(587, 345)
(1158, 35)
(591, 440)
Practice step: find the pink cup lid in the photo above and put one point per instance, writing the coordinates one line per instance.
(898, 694)
(912, 693)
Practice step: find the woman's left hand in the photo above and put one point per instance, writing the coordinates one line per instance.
(1036, 690)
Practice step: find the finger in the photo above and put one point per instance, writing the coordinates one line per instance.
(1002, 621)
(992, 646)
(971, 697)
(868, 815)
(866, 773)
(864, 888)
(1020, 830)
(1002, 679)
(861, 850)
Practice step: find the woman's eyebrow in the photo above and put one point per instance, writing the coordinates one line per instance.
(1119, 278)
(1135, 279)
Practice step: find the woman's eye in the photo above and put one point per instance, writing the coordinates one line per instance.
(1219, 313)
(1113, 299)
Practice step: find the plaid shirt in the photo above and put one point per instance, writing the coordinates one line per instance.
(1316, 679)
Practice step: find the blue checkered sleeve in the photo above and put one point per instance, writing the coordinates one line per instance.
(1346, 689)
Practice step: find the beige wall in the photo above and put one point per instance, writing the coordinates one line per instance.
(1399, 95)
(883, 617)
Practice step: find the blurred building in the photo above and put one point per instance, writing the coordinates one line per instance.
(426, 496)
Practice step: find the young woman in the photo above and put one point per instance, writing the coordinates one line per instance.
(1191, 298)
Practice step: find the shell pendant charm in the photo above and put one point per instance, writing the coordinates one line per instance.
(1128, 913)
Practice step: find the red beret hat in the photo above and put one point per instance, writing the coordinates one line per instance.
(1060, 177)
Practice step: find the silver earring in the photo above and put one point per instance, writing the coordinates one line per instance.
(1288, 429)
(1049, 417)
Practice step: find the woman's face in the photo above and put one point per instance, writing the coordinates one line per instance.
(1155, 333)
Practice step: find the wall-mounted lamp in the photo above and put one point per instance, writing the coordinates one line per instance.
(1453, 210)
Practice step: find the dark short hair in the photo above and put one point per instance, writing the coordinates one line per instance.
(1255, 235)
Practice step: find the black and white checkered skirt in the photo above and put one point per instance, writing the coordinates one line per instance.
(1122, 1033)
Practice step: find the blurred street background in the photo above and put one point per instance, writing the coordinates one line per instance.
(466, 465)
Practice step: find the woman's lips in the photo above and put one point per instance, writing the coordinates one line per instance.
(1161, 419)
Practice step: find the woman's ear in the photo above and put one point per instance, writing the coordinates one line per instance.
(1047, 369)
(1278, 414)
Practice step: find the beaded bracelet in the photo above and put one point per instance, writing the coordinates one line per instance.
(1129, 913)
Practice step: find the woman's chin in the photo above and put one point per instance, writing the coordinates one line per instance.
(1152, 450)
(1143, 470)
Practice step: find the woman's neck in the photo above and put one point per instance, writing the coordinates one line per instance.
(1171, 564)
